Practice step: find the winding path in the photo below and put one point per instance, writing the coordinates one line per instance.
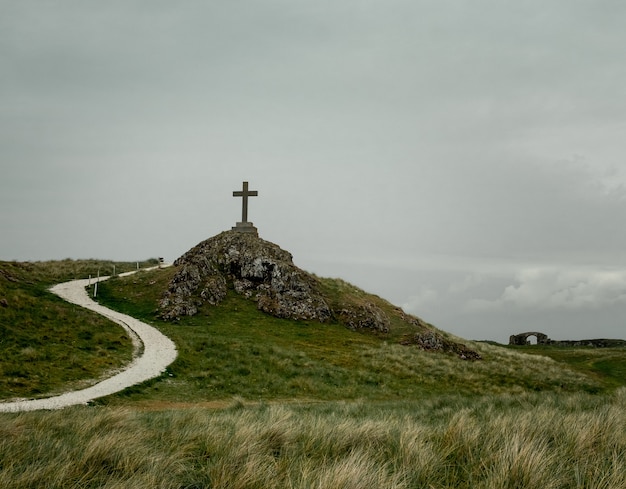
(158, 352)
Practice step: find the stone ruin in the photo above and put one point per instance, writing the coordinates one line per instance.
(542, 339)
(522, 338)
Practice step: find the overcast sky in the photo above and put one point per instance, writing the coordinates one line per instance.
(463, 160)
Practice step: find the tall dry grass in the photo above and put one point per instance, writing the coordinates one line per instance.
(499, 441)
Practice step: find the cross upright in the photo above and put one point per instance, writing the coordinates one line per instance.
(245, 193)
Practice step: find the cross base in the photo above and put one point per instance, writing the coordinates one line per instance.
(245, 227)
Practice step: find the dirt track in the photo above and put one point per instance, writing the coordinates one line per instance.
(158, 352)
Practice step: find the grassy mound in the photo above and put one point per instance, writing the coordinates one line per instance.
(234, 349)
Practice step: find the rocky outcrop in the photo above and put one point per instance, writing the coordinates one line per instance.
(436, 342)
(254, 268)
(364, 316)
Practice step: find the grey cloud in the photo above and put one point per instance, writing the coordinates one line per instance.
(551, 288)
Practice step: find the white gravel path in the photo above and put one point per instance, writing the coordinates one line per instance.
(158, 352)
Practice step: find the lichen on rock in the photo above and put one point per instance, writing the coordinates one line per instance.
(364, 316)
(254, 268)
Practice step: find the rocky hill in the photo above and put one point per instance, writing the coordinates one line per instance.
(263, 272)
(254, 268)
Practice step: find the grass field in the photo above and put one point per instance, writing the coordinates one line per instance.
(46, 344)
(605, 364)
(527, 440)
(257, 402)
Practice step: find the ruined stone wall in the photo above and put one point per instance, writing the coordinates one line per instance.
(542, 339)
(522, 338)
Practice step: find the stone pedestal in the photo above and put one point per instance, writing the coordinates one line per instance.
(246, 227)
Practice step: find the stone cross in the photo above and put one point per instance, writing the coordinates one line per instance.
(244, 226)
(245, 193)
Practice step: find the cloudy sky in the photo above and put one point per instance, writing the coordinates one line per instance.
(461, 159)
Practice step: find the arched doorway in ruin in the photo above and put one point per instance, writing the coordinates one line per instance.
(530, 338)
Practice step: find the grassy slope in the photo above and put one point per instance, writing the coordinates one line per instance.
(234, 350)
(46, 344)
(607, 365)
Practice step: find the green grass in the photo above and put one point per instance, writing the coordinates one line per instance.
(233, 349)
(608, 365)
(46, 344)
(343, 295)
